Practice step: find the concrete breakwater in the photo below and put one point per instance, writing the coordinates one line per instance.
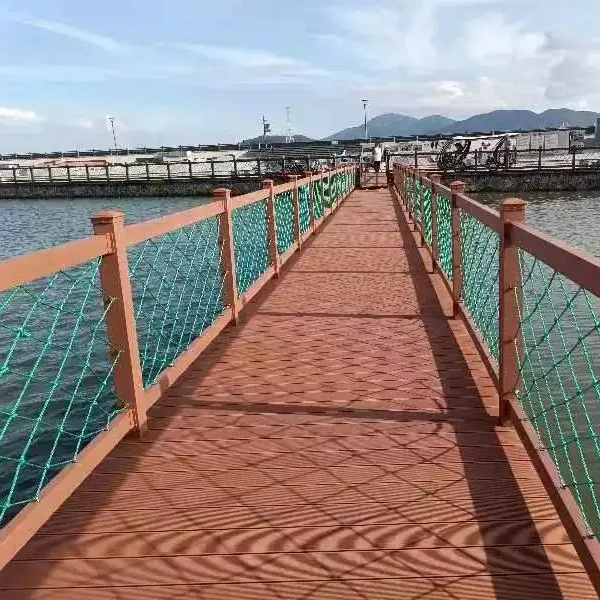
(546, 180)
(125, 189)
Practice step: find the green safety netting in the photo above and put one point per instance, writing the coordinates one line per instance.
(410, 193)
(335, 192)
(444, 234)
(251, 243)
(56, 385)
(480, 269)
(558, 350)
(416, 201)
(304, 205)
(284, 221)
(318, 198)
(427, 216)
(177, 284)
(326, 192)
(558, 346)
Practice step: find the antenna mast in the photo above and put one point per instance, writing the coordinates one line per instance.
(288, 126)
(111, 120)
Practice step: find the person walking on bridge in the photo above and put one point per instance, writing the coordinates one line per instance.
(377, 154)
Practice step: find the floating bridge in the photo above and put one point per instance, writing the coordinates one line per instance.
(313, 392)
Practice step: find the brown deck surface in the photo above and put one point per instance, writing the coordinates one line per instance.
(341, 444)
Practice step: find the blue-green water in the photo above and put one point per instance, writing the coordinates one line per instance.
(571, 217)
(28, 225)
(55, 367)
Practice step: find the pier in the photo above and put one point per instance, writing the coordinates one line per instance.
(310, 391)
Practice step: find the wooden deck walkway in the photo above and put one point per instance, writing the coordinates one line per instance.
(339, 444)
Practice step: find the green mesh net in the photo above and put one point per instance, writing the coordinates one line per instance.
(326, 192)
(251, 243)
(416, 201)
(480, 264)
(318, 199)
(444, 234)
(427, 216)
(560, 377)
(284, 221)
(335, 192)
(56, 387)
(304, 206)
(177, 285)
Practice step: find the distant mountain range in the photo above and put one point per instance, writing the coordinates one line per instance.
(392, 124)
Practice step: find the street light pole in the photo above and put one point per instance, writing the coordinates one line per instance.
(365, 102)
(112, 126)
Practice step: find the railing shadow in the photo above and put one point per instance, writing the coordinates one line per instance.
(436, 324)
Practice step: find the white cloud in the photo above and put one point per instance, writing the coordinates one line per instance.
(491, 40)
(387, 38)
(18, 115)
(106, 43)
(241, 57)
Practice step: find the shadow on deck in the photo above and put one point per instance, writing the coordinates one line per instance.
(340, 443)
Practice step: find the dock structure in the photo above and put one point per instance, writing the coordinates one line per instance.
(349, 423)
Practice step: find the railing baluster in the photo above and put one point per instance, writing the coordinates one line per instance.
(120, 319)
(512, 210)
(272, 224)
(457, 187)
(228, 260)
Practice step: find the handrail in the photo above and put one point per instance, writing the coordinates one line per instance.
(483, 213)
(181, 170)
(515, 159)
(140, 232)
(531, 304)
(21, 269)
(150, 297)
(580, 267)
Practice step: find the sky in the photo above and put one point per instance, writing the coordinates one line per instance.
(176, 72)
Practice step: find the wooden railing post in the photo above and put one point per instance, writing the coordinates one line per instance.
(272, 224)
(435, 179)
(228, 261)
(457, 187)
(512, 210)
(120, 319)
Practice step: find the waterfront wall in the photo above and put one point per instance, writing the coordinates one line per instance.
(556, 180)
(125, 189)
(547, 180)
